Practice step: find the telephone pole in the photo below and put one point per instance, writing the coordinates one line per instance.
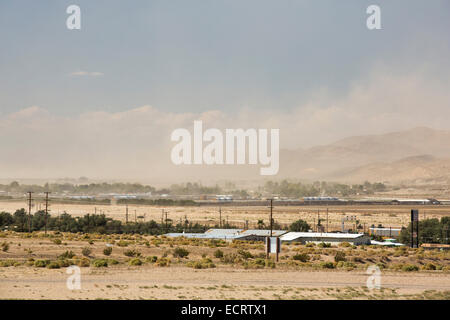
(271, 212)
(126, 214)
(46, 210)
(220, 217)
(166, 221)
(29, 211)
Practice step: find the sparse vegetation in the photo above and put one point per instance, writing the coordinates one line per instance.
(107, 251)
(86, 251)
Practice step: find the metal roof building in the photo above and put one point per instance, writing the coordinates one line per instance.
(230, 234)
(318, 237)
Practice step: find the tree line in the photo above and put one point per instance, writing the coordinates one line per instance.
(90, 223)
(430, 231)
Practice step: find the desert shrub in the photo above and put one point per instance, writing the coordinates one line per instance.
(163, 262)
(340, 256)
(132, 253)
(345, 244)
(231, 258)
(429, 266)
(151, 259)
(41, 263)
(107, 251)
(83, 262)
(381, 265)
(410, 267)
(8, 263)
(53, 265)
(57, 241)
(112, 262)
(218, 254)
(303, 257)
(86, 251)
(270, 264)
(245, 254)
(180, 253)
(346, 264)
(310, 244)
(327, 265)
(69, 254)
(99, 263)
(64, 263)
(205, 263)
(5, 246)
(122, 243)
(135, 262)
(324, 245)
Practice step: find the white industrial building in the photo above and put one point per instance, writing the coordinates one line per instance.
(385, 232)
(319, 237)
(230, 234)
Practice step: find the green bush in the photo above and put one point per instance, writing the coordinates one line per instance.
(327, 265)
(67, 255)
(345, 244)
(53, 265)
(86, 251)
(410, 267)
(122, 243)
(205, 263)
(99, 263)
(303, 257)
(57, 241)
(324, 245)
(41, 263)
(132, 253)
(151, 259)
(245, 254)
(112, 262)
(9, 263)
(135, 262)
(218, 254)
(107, 251)
(180, 253)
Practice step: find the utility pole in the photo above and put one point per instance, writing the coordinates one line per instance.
(29, 211)
(126, 214)
(220, 217)
(135, 217)
(271, 212)
(166, 221)
(318, 219)
(327, 220)
(46, 210)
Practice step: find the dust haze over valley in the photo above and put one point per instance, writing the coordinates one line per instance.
(389, 127)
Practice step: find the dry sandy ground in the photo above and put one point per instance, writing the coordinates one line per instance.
(222, 283)
(388, 216)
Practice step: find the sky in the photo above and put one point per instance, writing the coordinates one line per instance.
(135, 71)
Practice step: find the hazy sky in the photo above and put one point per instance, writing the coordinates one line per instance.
(138, 69)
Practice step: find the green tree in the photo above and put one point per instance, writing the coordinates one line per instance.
(299, 226)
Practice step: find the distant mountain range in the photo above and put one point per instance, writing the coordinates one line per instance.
(420, 155)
